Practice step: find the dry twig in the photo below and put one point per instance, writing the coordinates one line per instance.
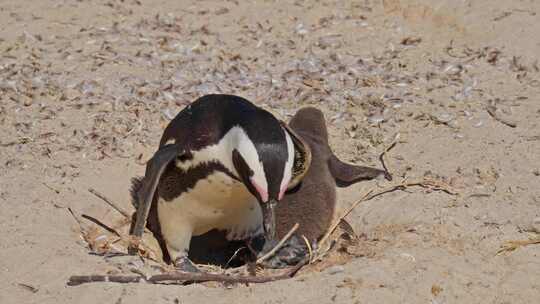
(279, 244)
(234, 256)
(101, 224)
(136, 246)
(310, 250)
(28, 287)
(492, 110)
(336, 223)
(513, 245)
(387, 174)
(425, 183)
(110, 202)
(135, 243)
(185, 277)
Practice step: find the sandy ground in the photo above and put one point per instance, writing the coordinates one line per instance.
(86, 88)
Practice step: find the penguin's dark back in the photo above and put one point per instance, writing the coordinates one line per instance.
(210, 117)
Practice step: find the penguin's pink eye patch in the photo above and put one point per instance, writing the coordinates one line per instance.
(284, 187)
(262, 192)
(281, 193)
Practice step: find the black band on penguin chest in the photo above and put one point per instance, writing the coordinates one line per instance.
(176, 181)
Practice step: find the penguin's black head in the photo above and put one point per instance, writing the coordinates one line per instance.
(264, 159)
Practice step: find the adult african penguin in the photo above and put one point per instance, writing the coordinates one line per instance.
(222, 163)
(311, 204)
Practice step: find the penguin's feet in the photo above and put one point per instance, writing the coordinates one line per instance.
(184, 264)
(291, 253)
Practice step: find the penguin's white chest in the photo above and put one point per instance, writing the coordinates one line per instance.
(216, 202)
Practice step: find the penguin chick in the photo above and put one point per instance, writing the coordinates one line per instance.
(312, 203)
(223, 164)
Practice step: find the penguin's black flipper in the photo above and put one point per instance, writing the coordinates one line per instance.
(154, 169)
(347, 174)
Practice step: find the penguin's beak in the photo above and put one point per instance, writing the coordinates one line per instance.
(269, 219)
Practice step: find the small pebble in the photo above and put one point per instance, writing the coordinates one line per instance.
(444, 117)
(167, 113)
(26, 101)
(375, 119)
(301, 30)
(408, 256)
(478, 124)
(335, 269)
(138, 264)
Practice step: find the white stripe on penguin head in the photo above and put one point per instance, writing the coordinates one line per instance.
(287, 173)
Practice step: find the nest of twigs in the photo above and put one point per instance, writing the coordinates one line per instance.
(337, 246)
(113, 241)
